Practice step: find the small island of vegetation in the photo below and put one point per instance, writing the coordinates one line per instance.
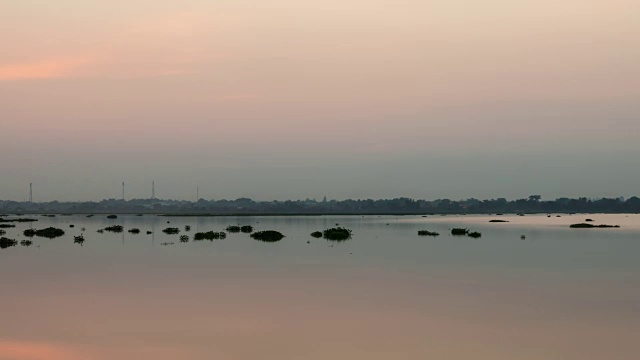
(6, 242)
(171, 231)
(209, 235)
(427, 233)
(114, 228)
(49, 232)
(459, 231)
(267, 236)
(337, 234)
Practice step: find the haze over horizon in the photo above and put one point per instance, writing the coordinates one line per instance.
(289, 99)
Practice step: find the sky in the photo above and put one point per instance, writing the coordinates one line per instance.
(288, 99)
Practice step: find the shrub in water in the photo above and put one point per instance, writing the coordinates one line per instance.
(337, 234)
(459, 231)
(171, 231)
(114, 228)
(267, 236)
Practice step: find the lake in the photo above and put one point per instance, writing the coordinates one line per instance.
(387, 293)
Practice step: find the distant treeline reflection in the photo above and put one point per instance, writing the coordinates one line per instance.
(531, 204)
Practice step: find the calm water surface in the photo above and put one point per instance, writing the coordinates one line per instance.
(385, 294)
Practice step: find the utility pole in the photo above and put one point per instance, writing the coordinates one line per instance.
(123, 190)
(30, 192)
(197, 193)
(153, 189)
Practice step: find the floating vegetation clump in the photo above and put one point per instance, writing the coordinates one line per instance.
(337, 234)
(6, 226)
(166, 243)
(475, 234)
(187, 228)
(209, 235)
(29, 233)
(78, 240)
(591, 226)
(112, 217)
(114, 228)
(498, 221)
(134, 231)
(2, 232)
(26, 242)
(149, 232)
(184, 238)
(589, 220)
(246, 229)
(5, 242)
(233, 229)
(459, 231)
(427, 233)
(72, 226)
(171, 231)
(90, 215)
(101, 231)
(49, 232)
(267, 236)
(316, 234)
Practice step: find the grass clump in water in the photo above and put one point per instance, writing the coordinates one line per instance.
(26, 242)
(475, 234)
(114, 228)
(337, 234)
(184, 238)
(6, 226)
(78, 240)
(233, 229)
(267, 236)
(171, 231)
(246, 229)
(427, 233)
(209, 235)
(316, 234)
(459, 231)
(498, 221)
(49, 232)
(6, 242)
(134, 231)
(112, 217)
(187, 228)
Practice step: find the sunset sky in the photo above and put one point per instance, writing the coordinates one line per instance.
(281, 99)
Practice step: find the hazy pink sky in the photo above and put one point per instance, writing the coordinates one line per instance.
(290, 98)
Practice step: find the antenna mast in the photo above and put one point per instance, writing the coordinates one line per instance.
(30, 192)
(153, 189)
(123, 190)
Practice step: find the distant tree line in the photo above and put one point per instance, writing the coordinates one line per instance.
(531, 204)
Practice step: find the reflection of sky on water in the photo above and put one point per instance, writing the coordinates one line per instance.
(387, 293)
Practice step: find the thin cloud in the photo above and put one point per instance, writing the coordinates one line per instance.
(44, 69)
